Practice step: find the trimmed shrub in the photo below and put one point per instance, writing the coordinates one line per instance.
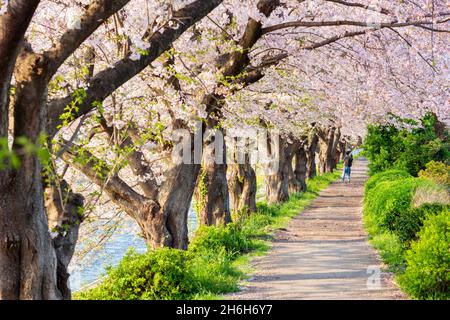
(388, 200)
(427, 275)
(410, 222)
(159, 274)
(388, 175)
(391, 205)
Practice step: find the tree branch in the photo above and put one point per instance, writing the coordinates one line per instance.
(136, 161)
(96, 13)
(238, 60)
(13, 25)
(117, 189)
(362, 6)
(254, 74)
(337, 38)
(110, 79)
(312, 24)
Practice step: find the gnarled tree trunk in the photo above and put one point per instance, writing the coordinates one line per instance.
(297, 183)
(212, 195)
(175, 197)
(242, 187)
(341, 150)
(335, 148)
(28, 262)
(64, 219)
(311, 148)
(162, 212)
(277, 174)
(213, 200)
(326, 140)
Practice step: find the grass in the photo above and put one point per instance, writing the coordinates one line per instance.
(390, 249)
(218, 258)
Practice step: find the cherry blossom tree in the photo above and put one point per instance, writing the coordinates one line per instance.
(32, 264)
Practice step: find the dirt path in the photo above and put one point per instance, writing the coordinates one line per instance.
(324, 253)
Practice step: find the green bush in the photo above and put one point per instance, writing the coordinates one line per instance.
(388, 175)
(391, 250)
(436, 171)
(231, 238)
(206, 268)
(427, 274)
(410, 222)
(390, 204)
(397, 146)
(388, 200)
(158, 274)
(401, 215)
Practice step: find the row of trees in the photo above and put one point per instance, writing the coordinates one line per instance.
(103, 85)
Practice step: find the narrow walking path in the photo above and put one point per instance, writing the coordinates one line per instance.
(324, 252)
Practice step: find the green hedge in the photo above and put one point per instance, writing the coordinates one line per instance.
(427, 275)
(387, 201)
(411, 239)
(388, 175)
(390, 204)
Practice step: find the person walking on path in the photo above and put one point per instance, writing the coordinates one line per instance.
(348, 161)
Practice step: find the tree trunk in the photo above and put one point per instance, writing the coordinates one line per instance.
(311, 148)
(335, 148)
(359, 142)
(242, 187)
(297, 183)
(13, 26)
(341, 150)
(326, 151)
(278, 181)
(175, 198)
(28, 261)
(212, 195)
(64, 212)
(161, 217)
